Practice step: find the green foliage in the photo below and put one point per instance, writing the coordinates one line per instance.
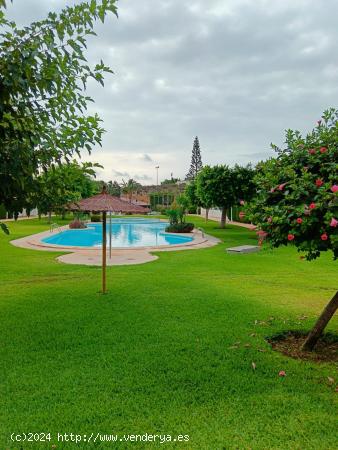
(190, 192)
(175, 215)
(129, 187)
(43, 76)
(242, 179)
(63, 184)
(113, 188)
(182, 202)
(4, 228)
(184, 227)
(196, 161)
(2, 212)
(95, 218)
(215, 188)
(178, 210)
(297, 198)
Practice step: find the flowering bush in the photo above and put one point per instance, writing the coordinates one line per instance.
(297, 192)
(297, 200)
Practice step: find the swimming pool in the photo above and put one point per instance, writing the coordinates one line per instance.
(125, 233)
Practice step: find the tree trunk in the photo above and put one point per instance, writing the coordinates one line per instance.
(104, 250)
(223, 217)
(206, 214)
(321, 323)
(49, 216)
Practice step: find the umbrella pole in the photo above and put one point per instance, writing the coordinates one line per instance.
(104, 250)
(110, 237)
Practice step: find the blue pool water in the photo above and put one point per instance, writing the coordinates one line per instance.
(125, 233)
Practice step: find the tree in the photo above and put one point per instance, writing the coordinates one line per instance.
(196, 161)
(129, 187)
(215, 188)
(113, 188)
(61, 185)
(243, 182)
(194, 200)
(191, 194)
(43, 77)
(297, 201)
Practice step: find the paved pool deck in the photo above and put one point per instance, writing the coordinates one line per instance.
(92, 256)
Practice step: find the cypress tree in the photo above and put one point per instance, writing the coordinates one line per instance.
(196, 161)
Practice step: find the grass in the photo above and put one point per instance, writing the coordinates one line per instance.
(159, 353)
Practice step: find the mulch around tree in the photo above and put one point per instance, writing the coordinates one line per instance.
(290, 343)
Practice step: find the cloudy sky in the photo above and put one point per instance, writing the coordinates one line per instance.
(234, 72)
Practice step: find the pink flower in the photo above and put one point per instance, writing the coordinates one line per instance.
(323, 150)
(282, 373)
(334, 222)
(270, 219)
(319, 182)
(291, 237)
(312, 205)
(272, 190)
(281, 186)
(312, 151)
(334, 188)
(242, 202)
(299, 220)
(324, 237)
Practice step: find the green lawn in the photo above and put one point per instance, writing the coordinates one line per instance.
(156, 355)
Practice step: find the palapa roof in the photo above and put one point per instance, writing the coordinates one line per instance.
(106, 202)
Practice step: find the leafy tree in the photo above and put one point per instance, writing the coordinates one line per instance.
(191, 194)
(63, 184)
(297, 201)
(215, 188)
(243, 182)
(194, 200)
(43, 77)
(196, 161)
(113, 188)
(129, 187)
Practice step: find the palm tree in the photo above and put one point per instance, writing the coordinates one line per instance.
(130, 187)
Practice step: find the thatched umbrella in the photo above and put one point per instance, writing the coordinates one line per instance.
(104, 203)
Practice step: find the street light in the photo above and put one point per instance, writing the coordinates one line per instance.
(157, 167)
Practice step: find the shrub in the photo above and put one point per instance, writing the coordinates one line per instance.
(77, 224)
(2, 212)
(95, 217)
(184, 227)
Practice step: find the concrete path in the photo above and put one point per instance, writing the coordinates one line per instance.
(92, 256)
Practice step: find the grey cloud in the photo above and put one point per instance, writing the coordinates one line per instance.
(235, 73)
(146, 157)
(143, 177)
(117, 173)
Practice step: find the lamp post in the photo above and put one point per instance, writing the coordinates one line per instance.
(157, 167)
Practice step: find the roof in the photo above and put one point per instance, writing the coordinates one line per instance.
(106, 202)
(135, 202)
